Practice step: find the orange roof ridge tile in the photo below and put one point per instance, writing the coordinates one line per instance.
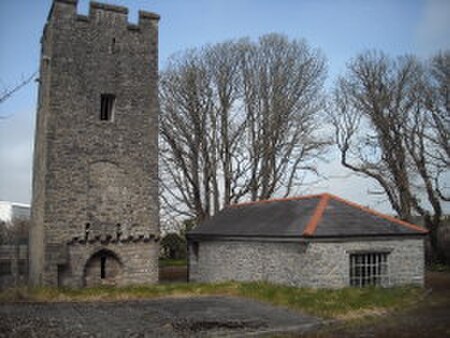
(320, 209)
(379, 214)
(317, 215)
(295, 198)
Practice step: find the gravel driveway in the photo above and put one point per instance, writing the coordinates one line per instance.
(169, 317)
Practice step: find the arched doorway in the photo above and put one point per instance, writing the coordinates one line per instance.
(103, 268)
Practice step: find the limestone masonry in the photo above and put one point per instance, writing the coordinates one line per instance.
(95, 188)
(303, 264)
(320, 241)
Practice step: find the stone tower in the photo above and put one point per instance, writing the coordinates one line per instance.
(95, 188)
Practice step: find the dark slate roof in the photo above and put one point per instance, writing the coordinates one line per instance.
(313, 216)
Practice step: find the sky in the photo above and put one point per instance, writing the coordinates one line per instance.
(340, 28)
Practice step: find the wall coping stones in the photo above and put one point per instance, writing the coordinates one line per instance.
(148, 15)
(108, 7)
(70, 2)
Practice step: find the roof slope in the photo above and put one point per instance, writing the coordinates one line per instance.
(316, 216)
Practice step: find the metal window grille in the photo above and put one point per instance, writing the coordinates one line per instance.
(369, 269)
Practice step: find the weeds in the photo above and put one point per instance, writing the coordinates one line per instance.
(343, 303)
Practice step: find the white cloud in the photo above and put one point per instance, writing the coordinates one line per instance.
(433, 30)
(16, 143)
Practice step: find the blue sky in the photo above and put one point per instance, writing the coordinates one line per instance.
(341, 28)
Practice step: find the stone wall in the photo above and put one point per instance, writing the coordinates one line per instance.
(13, 265)
(138, 264)
(90, 173)
(303, 264)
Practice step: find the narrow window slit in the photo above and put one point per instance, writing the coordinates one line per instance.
(86, 231)
(103, 267)
(118, 231)
(107, 104)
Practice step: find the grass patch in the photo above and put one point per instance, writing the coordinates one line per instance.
(347, 303)
(342, 303)
(163, 262)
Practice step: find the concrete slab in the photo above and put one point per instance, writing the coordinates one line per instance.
(167, 317)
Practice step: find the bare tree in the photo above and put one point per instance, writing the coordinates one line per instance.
(428, 139)
(371, 105)
(385, 129)
(14, 233)
(239, 120)
(437, 102)
(222, 61)
(6, 93)
(186, 101)
(282, 83)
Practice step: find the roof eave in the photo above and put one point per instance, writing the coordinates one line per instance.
(327, 238)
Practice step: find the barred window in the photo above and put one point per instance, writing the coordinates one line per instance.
(369, 269)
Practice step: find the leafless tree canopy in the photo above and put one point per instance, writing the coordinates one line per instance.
(391, 122)
(6, 93)
(240, 120)
(438, 107)
(15, 232)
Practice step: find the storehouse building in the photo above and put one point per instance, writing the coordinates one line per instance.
(312, 241)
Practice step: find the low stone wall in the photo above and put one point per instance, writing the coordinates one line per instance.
(13, 265)
(312, 264)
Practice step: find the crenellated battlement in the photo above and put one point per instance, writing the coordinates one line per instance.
(100, 11)
(99, 6)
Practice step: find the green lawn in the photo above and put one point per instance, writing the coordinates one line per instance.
(345, 303)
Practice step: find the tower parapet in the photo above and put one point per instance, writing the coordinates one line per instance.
(101, 12)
